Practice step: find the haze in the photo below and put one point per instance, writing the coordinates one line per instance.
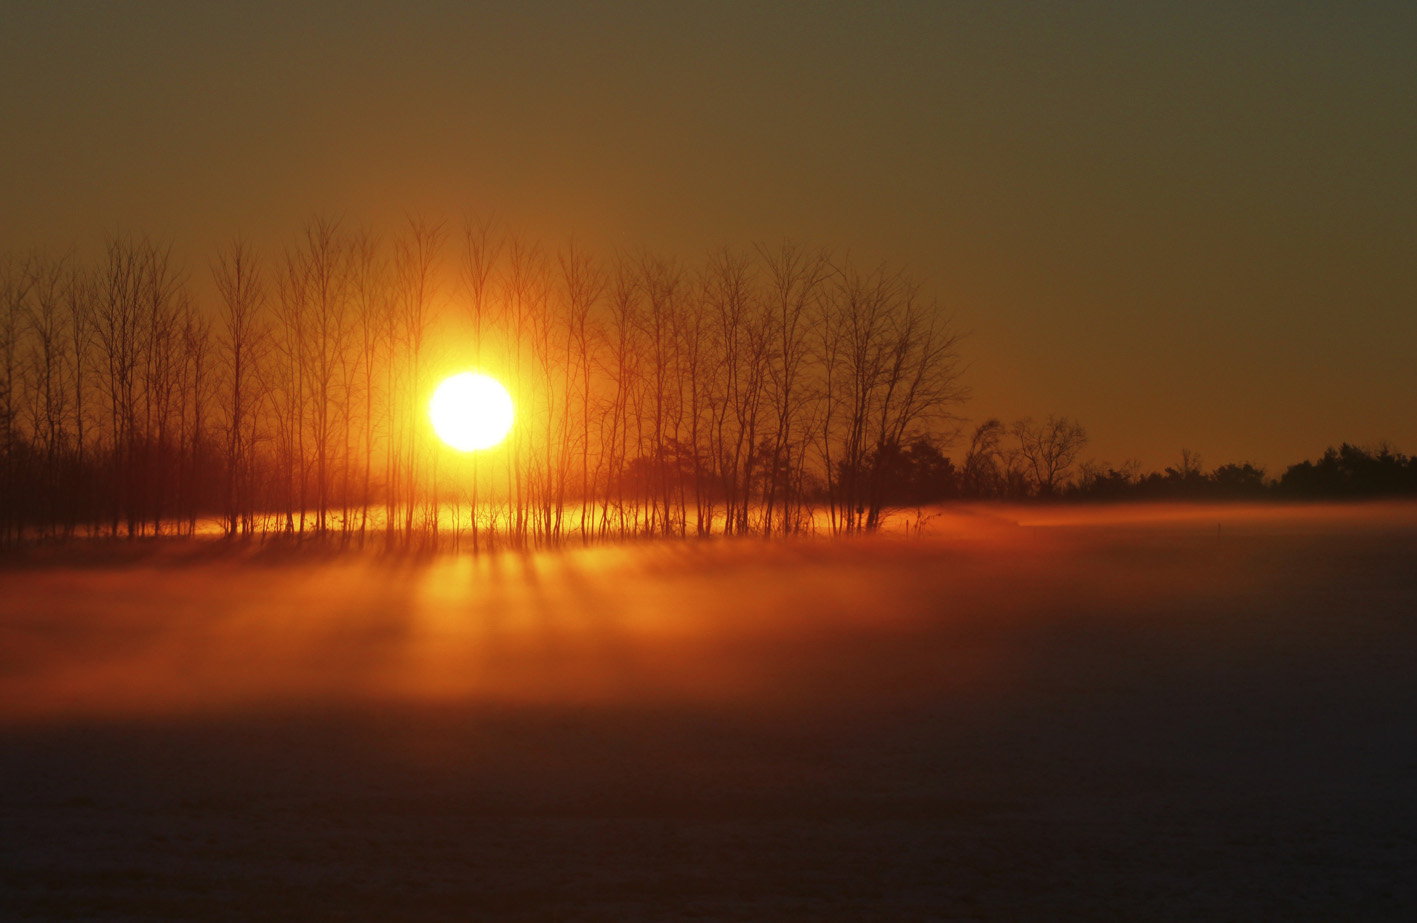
(1187, 226)
(1085, 713)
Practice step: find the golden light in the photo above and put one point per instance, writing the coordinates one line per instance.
(471, 411)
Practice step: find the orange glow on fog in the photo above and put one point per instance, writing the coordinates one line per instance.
(966, 606)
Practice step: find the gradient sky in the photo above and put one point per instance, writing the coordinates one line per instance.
(1188, 225)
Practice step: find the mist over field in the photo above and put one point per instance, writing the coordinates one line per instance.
(1008, 712)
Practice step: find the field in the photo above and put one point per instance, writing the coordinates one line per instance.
(1113, 713)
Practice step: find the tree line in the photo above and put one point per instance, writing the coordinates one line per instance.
(1348, 472)
(762, 390)
(1038, 461)
(759, 390)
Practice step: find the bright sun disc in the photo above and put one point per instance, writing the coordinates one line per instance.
(471, 411)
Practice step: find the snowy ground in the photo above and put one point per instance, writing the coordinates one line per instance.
(1149, 713)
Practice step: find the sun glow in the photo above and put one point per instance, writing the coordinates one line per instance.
(471, 411)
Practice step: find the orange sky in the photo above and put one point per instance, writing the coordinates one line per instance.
(1186, 225)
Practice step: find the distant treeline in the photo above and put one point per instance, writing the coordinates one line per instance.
(993, 468)
(1348, 472)
(762, 390)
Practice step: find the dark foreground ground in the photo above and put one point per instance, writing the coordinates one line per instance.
(1105, 717)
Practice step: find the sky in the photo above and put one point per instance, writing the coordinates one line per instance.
(1187, 225)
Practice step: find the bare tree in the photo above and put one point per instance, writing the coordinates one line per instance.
(323, 265)
(624, 369)
(290, 382)
(194, 394)
(740, 328)
(416, 253)
(899, 374)
(481, 250)
(372, 305)
(117, 324)
(661, 285)
(134, 322)
(15, 281)
(81, 295)
(981, 476)
(795, 280)
(584, 282)
(1049, 449)
(46, 361)
(239, 283)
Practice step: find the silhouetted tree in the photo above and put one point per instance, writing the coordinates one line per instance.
(1239, 480)
(1351, 471)
(239, 283)
(982, 475)
(1049, 449)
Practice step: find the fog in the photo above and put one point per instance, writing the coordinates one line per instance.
(189, 627)
(1154, 712)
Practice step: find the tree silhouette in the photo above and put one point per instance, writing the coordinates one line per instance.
(1049, 449)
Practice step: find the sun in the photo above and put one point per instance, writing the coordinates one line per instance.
(471, 411)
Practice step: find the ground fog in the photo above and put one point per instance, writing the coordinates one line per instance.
(1033, 712)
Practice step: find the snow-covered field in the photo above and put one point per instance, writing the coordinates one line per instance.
(1048, 713)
